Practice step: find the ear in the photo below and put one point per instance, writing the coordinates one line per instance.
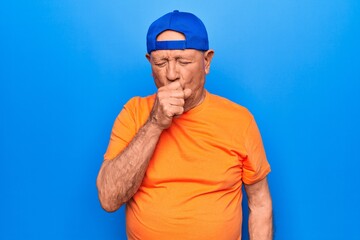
(148, 57)
(208, 55)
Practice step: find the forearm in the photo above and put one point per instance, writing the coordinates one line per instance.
(260, 211)
(261, 222)
(120, 178)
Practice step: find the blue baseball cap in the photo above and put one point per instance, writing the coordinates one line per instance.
(186, 23)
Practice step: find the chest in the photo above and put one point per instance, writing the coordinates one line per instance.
(200, 153)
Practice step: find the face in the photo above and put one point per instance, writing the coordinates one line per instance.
(189, 67)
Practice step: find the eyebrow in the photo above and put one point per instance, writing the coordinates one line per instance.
(177, 57)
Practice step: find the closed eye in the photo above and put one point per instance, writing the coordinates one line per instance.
(184, 62)
(160, 64)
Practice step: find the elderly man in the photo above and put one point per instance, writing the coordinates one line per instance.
(179, 158)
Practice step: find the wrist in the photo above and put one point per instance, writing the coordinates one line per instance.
(159, 122)
(153, 125)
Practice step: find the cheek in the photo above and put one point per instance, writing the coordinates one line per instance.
(159, 82)
(193, 79)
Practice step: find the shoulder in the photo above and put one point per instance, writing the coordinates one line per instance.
(137, 106)
(229, 108)
(140, 102)
(137, 109)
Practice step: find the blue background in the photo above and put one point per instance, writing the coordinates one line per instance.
(67, 68)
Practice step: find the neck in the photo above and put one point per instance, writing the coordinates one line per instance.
(196, 101)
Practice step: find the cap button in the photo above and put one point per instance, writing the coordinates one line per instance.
(176, 11)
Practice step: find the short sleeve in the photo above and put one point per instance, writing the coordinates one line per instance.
(122, 133)
(255, 165)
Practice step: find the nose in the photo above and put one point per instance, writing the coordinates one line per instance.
(172, 73)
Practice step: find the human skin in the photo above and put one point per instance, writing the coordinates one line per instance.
(180, 77)
(189, 67)
(260, 210)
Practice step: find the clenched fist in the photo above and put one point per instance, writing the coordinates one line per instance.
(169, 102)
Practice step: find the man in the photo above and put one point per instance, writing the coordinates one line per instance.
(178, 158)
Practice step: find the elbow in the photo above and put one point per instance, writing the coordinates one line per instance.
(110, 196)
(109, 207)
(109, 201)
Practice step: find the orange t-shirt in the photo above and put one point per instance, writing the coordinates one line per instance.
(192, 187)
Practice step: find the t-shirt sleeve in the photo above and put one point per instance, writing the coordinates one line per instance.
(255, 165)
(122, 133)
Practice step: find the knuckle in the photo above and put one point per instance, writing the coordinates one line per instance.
(160, 94)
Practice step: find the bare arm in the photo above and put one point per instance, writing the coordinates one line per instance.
(260, 211)
(119, 179)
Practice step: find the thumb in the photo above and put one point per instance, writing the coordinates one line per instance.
(187, 93)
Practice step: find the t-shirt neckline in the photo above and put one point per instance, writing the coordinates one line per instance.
(199, 107)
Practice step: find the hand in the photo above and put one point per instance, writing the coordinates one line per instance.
(169, 102)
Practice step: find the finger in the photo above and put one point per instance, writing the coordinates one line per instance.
(169, 110)
(167, 93)
(173, 85)
(187, 93)
(176, 102)
(175, 111)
